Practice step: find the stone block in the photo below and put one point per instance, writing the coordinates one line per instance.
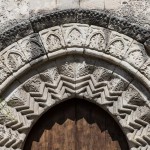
(124, 26)
(118, 44)
(136, 55)
(75, 34)
(112, 4)
(52, 39)
(67, 4)
(92, 4)
(15, 33)
(13, 57)
(32, 47)
(97, 38)
(44, 6)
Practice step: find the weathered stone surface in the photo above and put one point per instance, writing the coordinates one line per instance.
(32, 47)
(136, 55)
(113, 4)
(93, 42)
(145, 69)
(15, 33)
(52, 39)
(53, 19)
(97, 18)
(124, 26)
(13, 11)
(92, 4)
(65, 4)
(4, 72)
(75, 34)
(118, 44)
(13, 57)
(136, 11)
(37, 6)
(85, 77)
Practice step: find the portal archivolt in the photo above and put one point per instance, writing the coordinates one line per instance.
(74, 60)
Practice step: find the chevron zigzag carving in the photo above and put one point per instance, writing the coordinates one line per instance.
(72, 76)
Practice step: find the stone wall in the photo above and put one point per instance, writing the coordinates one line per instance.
(14, 11)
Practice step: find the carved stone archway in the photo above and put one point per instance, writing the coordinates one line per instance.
(69, 58)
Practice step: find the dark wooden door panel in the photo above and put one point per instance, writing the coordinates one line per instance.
(76, 125)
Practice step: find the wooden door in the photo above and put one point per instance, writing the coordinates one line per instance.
(76, 125)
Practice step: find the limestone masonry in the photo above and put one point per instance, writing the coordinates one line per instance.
(97, 50)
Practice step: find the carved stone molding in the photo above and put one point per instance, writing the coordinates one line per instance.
(83, 16)
(74, 53)
(75, 39)
(71, 76)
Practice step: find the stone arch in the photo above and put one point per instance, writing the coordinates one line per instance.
(77, 111)
(118, 82)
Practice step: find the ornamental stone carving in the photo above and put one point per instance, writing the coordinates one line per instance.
(52, 39)
(84, 77)
(96, 38)
(32, 47)
(13, 57)
(77, 58)
(136, 55)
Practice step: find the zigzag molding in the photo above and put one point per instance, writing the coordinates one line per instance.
(88, 78)
(74, 38)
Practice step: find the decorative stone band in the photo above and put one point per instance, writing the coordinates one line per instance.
(83, 77)
(74, 39)
(67, 54)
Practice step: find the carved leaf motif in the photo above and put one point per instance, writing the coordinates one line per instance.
(67, 70)
(34, 49)
(83, 69)
(75, 38)
(136, 58)
(133, 97)
(101, 74)
(116, 48)
(117, 84)
(97, 41)
(32, 85)
(15, 60)
(50, 75)
(53, 42)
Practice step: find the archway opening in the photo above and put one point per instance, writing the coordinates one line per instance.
(76, 125)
